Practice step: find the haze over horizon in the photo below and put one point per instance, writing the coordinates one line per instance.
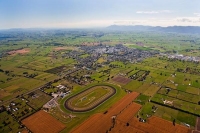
(98, 13)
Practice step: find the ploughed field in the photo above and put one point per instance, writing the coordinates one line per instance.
(42, 122)
(90, 98)
(121, 118)
(122, 80)
(103, 122)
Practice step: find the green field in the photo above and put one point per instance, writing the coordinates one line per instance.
(46, 65)
(89, 98)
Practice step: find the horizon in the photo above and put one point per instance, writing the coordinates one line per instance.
(77, 14)
(87, 28)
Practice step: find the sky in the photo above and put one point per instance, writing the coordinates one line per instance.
(97, 13)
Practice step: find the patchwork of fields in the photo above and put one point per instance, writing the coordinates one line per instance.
(88, 86)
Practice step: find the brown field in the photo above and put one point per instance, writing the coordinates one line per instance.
(42, 122)
(129, 112)
(20, 51)
(125, 110)
(90, 43)
(121, 80)
(102, 122)
(120, 105)
(140, 44)
(197, 127)
(64, 48)
(3, 93)
(24, 131)
(198, 124)
(121, 127)
(195, 131)
(157, 125)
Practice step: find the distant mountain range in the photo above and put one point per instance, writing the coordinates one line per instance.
(176, 29)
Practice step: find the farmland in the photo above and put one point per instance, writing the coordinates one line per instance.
(130, 75)
(103, 122)
(41, 121)
(121, 80)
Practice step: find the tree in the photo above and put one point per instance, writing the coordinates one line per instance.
(1, 70)
(174, 122)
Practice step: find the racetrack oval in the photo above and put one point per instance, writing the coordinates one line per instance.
(89, 98)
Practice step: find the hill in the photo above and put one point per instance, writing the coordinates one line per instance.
(176, 29)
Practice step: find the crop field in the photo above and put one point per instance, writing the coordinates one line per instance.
(56, 70)
(89, 98)
(20, 51)
(129, 112)
(126, 115)
(198, 124)
(133, 85)
(152, 126)
(157, 125)
(151, 90)
(17, 86)
(185, 96)
(121, 80)
(40, 122)
(103, 122)
(178, 104)
(46, 77)
(161, 87)
(170, 114)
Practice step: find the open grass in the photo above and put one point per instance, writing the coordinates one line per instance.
(151, 90)
(38, 100)
(133, 85)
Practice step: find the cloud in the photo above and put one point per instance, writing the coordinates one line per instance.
(179, 21)
(147, 12)
(197, 14)
(165, 11)
(154, 12)
(188, 19)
